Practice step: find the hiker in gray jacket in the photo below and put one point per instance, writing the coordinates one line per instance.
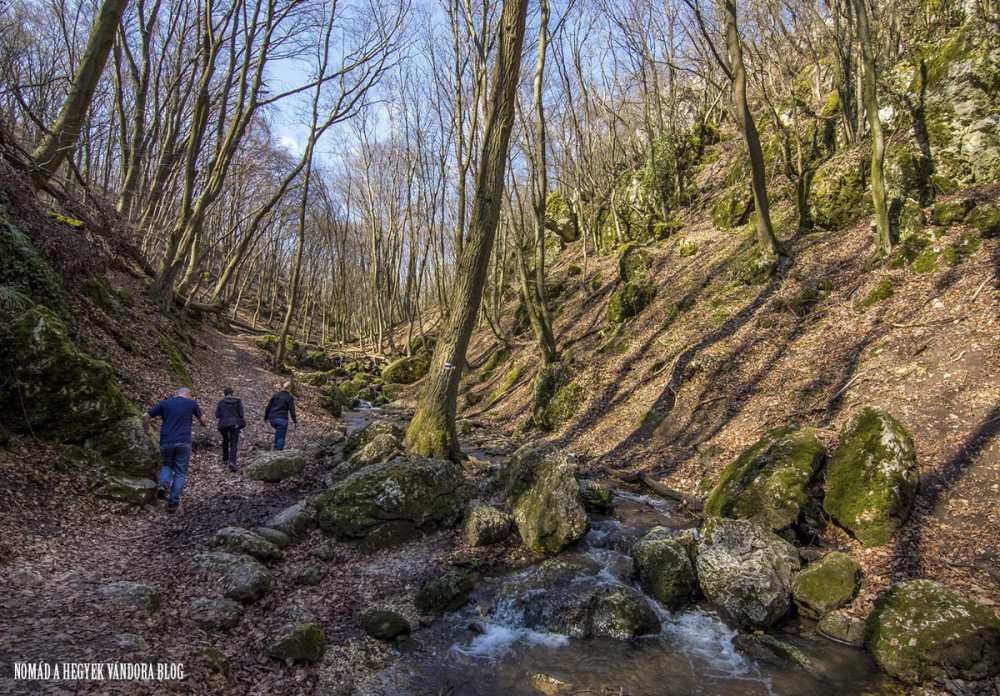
(229, 413)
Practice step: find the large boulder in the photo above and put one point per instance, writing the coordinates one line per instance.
(379, 450)
(295, 521)
(664, 560)
(238, 540)
(769, 479)
(360, 438)
(923, 631)
(591, 608)
(395, 501)
(634, 263)
(135, 596)
(63, 394)
(595, 498)
(275, 465)
(826, 585)
(629, 300)
(872, 477)
(838, 193)
(299, 643)
(407, 370)
(986, 219)
(384, 625)
(485, 525)
(539, 483)
(746, 571)
(449, 592)
(126, 449)
(733, 208)
(243, 578)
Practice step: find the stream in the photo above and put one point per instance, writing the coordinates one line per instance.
(493, 645)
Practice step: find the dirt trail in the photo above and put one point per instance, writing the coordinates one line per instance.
(72, 545)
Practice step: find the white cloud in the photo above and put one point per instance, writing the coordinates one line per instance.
(290, 145)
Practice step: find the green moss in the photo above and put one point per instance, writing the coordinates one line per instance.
(407, 370)
(573, 271)
(733, 208)
(838, 196)
(952, 212)
(68, 221)
(769, 479)
(806, 300)
(986, 220)
(597, 281)
(302, 643)
(98, 290)
(618, 345)
(882, 291)
(686, 247)
(757, 269)
(178, 366)
(565, 405)
(872, 477)
(23, 269)
(827, 585)
(631, 299)
(508, 381)
(832, 105)
(634, 262)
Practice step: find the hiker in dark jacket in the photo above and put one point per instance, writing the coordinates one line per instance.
(279, 410)
(229, 413)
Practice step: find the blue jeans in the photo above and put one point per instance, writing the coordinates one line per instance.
(175, 469)
(280, 426)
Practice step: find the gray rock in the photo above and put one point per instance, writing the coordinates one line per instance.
(842, 627)
(360, 438)
(770, 649)
(238, 540)
(664, 561)
(126, 450)
(295, 521)
(279, 539)
(275, 466)
(590, 608)
(390, 503)
(299, 643)
(243, 577)
(132, 642)
(326, 550)
(215, 660)
(380, 449)
(134, 595)
(595, 498)
(828, 584)
(450, 592)
(746, 570)
(127, 490)
(384, 625)
(485, 525)
(215, 612)
(24, 578)
(539, 482)
(922, 631)
(311, 574)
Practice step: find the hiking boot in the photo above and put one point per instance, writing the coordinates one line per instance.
(161, 492)
(232, 466)
(172, 507)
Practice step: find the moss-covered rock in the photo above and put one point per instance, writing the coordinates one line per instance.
(908, 173)
(359, 438)
(634, 263)
(758, 269)
(125, 449)
(53, 378)
(275, 465)
(826, 585)
(383, 448)
(132, 491)
(592, 609)
(560, 218)
(872, 477)
(953, 212)
(733, 208)
(23, 269)
(882, 291)
(564, 406)
(838, 196)
(299, 643)
(906, 218)
(242, 578)
(497, 358)
(686, 247)
(539, 483)
(407, 370)
(630, 300)
(215, 612)
(384, 625)
(238, 540)
(310, 574)
(136, 596)
(390, 503)
(922, 631)
(986, 219)
(215, 660)
(769, 479)
(485, 525)
(746, 571)
(449, 592)
(840, 626)
(295, 521)
(595, 498)
(664, 560)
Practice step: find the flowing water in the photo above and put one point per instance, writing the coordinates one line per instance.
(487, 648)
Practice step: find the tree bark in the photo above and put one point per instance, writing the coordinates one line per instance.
(883, 240)
(432, 431)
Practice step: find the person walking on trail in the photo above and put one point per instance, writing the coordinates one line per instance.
(175, 442)
(279, 410)
(229, 413)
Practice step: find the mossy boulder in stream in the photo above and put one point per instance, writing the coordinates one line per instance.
(407, 370)
(746, 571)
(826, 585)
(664, 560)
(63, 394)
(539, 483)
(360, 438)
(872, 477)
(449, 592)
(922, 631)
(769, 479)
(389, 503)
(384, 625)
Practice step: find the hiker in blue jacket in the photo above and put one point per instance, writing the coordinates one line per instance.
(175, 442)
(279, 410)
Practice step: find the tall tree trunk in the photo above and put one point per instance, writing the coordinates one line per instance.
(883, 241)
(766, 240)
(432, 431)
(55, 146)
